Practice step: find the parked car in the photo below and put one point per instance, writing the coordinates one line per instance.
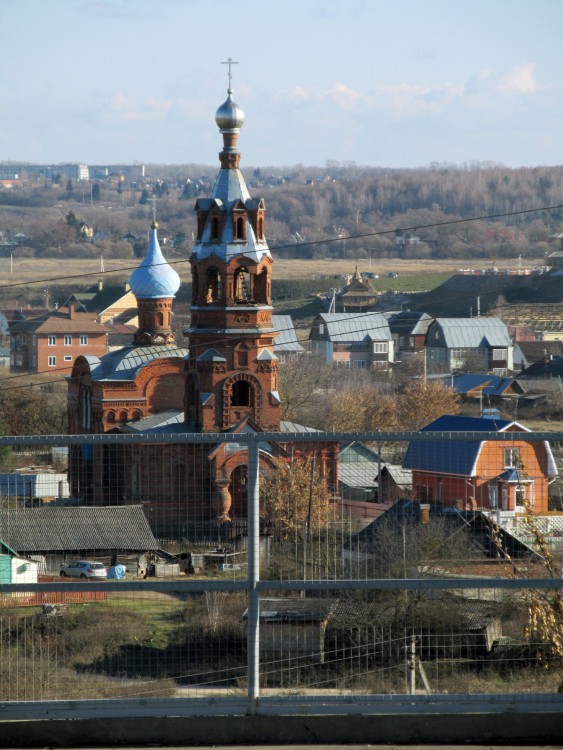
(84, 569)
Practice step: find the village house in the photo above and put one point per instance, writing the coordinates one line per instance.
(409, 329)
(51, 340)
(478, 343)
(362, 341)
(486, 474)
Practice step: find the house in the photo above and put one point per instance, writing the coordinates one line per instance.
(488, 389)
(357, 472)
(409, 329)
(14, 568)
(457, 343)
(51, 341)
(434, 534)
(33, 487)
(292, 628)
(286, 343)
(528, 353)
(549, 368)
(357, 296)
(363, 341)
(55, 534)
(113, 303)
(481, 474)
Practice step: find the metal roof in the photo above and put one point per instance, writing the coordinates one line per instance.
(473, 333)
(286, 339)
(76, 529)
(459, 457)
(355, 327)
(360, 474)
(162, 419)
(124, 364)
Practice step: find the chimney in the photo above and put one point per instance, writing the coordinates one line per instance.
(100, 285)
(71, 308)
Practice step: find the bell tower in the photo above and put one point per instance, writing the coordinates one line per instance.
(232, 372)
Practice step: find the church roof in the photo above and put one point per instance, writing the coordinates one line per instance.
(154, 278)
(124, 364)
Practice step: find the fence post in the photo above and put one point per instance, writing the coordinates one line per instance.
(253, 621)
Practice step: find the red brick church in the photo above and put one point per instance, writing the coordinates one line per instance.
(225, 380)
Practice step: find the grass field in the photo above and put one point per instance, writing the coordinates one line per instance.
(37, 271)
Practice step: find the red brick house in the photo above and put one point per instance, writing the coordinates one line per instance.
(51, 340)
(484, 475)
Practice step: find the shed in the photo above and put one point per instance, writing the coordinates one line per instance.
(294, 627)
(15, 569)
(58, 532)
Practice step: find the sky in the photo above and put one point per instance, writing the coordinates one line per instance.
(389, 83)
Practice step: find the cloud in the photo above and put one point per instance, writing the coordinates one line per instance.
(520, 79)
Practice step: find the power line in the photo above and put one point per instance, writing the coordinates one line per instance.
(415, 227)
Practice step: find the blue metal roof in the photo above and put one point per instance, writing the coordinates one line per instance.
(154, 278)
(457, 457)
(491, 385)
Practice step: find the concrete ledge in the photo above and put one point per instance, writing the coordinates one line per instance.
(408, 728)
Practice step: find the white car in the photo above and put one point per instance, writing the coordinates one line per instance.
(84, 569)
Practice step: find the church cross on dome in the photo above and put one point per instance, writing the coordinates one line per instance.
(230, 62)
(153, 200)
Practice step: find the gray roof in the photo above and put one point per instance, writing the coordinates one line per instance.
(296, 610)
(124, 364)
(78, 529)
(286, 340)
(359, 474)
(351, 327)
(472, 333)
(162, 419)
(409, 322)
(286, 426)
(401, 477)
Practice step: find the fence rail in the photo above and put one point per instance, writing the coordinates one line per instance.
(437, 598)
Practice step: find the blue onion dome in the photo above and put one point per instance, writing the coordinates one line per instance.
(154, 278)
(229, 116)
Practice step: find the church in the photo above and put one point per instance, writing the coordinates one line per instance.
(224, 380)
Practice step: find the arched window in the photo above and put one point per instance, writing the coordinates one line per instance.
(111, 417)
(239, 227)
(159, 319)
(241, 394)
(123, 416)
(261, 228)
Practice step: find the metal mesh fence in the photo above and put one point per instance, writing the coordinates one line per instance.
(251, 565)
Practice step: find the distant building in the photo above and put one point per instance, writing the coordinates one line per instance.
(351, 340)
(453, 343)
(286, 343)
(409, 329)
(51, 340)
(481, 474)
(357, 296)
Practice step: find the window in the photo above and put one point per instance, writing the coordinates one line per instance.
(500, 354)
(52, 340)
(34, 340)
(359, 364)
(52, 361)
(512, 458)
(68, 340)
(380, 347)
(83, 340)
(411, 340)
(68, 357)
(380, 364)
(401, 340)
(321, 328)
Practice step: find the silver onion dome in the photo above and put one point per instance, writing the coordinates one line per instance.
(229, 116)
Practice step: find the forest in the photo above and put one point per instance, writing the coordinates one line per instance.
(342, 211)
